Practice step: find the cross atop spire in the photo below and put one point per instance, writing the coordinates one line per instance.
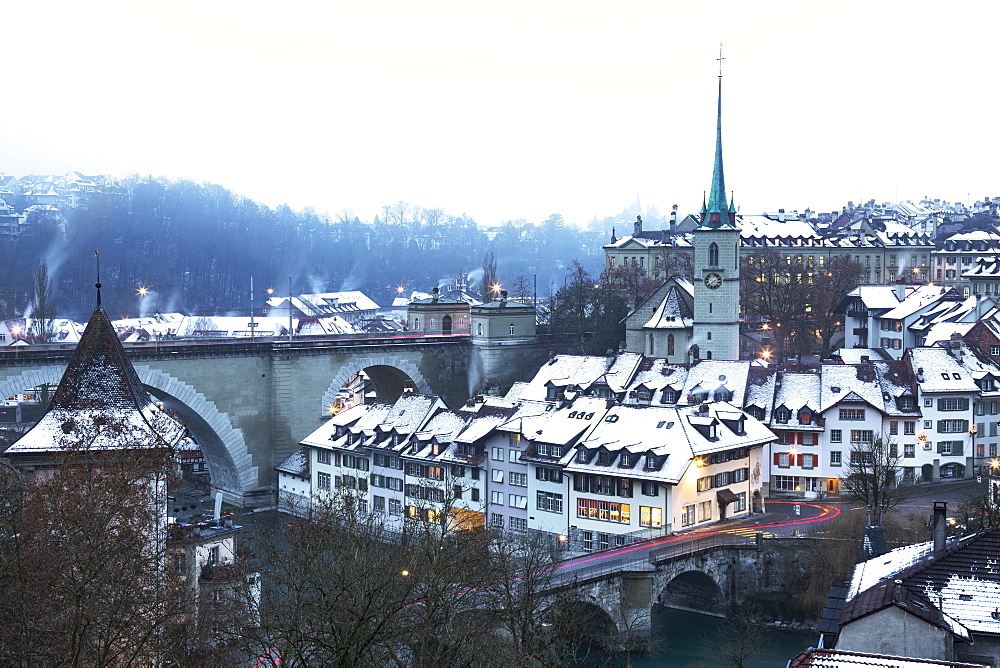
(717, 210)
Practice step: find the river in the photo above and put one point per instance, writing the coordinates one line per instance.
(690, 640)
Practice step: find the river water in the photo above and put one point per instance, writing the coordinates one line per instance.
(690, 640)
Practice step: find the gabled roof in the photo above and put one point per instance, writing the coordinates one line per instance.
(840, 658)
(100, 385)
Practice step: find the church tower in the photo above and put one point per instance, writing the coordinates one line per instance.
(717, 268)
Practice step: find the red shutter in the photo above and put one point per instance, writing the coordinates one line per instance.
(776, 459)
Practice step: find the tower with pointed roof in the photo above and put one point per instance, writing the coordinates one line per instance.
(100, 404)
(717, 268)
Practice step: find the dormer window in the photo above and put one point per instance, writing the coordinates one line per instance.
(625, 460)
(805, 417)
(650, 462)
(782, 415)
(643, 394)
(669, 396)
(756, 412)
(604, 458)
(722, 394)
(581, 456)
(906, 403)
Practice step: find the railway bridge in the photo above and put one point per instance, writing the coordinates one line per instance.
(249, 403)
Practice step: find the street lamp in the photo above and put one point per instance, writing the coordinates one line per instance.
(142, 291)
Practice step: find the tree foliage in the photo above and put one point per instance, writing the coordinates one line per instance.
(42, 307)
(592, 313)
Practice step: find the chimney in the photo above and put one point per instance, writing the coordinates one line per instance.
(940, 525)
(503, 297)
(673, 216)
(435, 292)
(638, 226)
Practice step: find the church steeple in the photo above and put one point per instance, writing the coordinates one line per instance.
(717, 212)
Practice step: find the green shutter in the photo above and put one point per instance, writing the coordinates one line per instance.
(940, 446)
(965, 425)
(940, 404)
(940, 426)
(957, 447)
(965, 403)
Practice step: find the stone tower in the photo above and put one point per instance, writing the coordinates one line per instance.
(717, 269)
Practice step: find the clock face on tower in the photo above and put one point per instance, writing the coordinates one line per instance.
(713, 281)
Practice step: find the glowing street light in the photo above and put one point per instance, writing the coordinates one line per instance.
(399, 289)
(270, 291)
(495, 288)
(765, 355)
(142, 291)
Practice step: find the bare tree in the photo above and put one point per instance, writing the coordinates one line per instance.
(83, 554)
(489, 277)
(842, 275)
(42, 306)
(870, 477)
(741, 637)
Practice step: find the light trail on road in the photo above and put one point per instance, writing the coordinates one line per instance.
(825, 513)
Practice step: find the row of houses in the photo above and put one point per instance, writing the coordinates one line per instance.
(605, 450)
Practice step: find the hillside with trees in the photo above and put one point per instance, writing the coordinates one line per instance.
(196, 246)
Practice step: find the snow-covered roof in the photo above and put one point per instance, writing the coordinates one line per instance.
(296, 464)
(712, 375)
(922, 297)
(578, 370)
(854, 382)
(939, 371)
(672, 313)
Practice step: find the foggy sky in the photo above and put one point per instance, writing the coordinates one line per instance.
(509, 110)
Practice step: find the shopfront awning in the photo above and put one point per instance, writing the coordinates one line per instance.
(725, 496)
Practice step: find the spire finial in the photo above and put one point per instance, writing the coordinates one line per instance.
(720, 59)
(718, 209)
(98, 284)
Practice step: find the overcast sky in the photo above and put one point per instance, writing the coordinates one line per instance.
(510, 110)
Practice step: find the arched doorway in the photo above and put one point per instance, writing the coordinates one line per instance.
(446, 325)
(927, 472)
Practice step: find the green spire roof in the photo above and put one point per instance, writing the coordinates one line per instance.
(718, 210)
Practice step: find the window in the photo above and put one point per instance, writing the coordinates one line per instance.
(604, 511)
(808, 461)
(953, 404)
(954, 448)
(475, 494)
(835, 458)
(687, 515)
(545, 450)
(649, 488)
(952, 426)
(497, 454)
(512, 329)
(518, 524)
(893, 428)
(498, 475)
(395, 507)
(518, 501)
(704, 511)
(518, 479)
(323, 480)
(378, 504)
(588, 540)
(322, 456)
(496, 520)
(515, 456)
(650, 517)
(546, 474)
(994, 351)
(906, 403)
(783, 460)
(852, 414)
(836, 436)
(784, 483)
(496, 498)
(713, 255)
(909, 428)
(549, 502)
(862, 435)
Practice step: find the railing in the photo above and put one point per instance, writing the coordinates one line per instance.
(697, 543)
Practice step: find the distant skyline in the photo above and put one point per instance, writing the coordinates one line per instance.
(519, 110)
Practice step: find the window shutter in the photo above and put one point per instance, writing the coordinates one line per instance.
(940, 404)
(957, 447)
(965, 425)
(776, 455)
(940, 447)
(940, 426)
(965, 404)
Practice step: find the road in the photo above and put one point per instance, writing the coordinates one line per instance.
(782, 518)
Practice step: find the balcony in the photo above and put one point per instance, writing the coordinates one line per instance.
(855, 313)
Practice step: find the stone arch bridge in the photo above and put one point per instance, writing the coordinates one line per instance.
(701, 574)
(249, 404)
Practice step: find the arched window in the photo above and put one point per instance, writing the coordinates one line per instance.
(416, 323)
(713, 255)
(670, 344)
(651, 344)
(446, 325)
(432, 325)
(512, 329)
(479, 329)
(708, 355)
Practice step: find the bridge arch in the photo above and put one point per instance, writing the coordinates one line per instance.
(588, 622)
(223, 446)
(389, 372)
(693, 590)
